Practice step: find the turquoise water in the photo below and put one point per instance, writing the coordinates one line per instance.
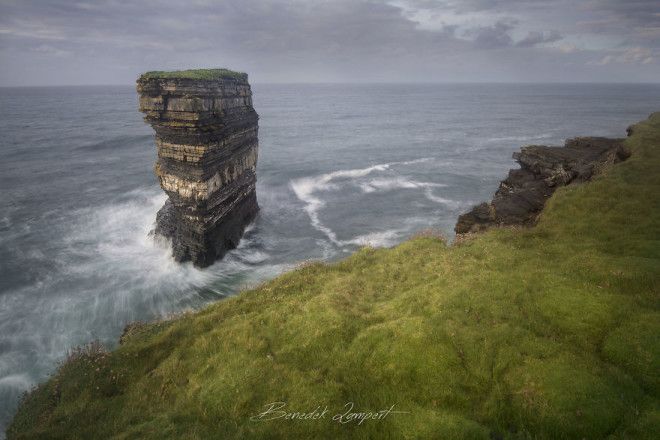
(340, 166)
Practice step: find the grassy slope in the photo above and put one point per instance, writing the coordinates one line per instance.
(549, 332)
(209, 74)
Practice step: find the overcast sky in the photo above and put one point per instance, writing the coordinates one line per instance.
(45, 42)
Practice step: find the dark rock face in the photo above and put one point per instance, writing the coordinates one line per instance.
(206, 136)
(522, 195)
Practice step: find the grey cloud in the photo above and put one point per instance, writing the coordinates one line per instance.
(464, 6)
(499, 36)
(634, 55)
(317, 39)
(535, 38)
(261, 26)
(640, 12)
(305, 40)
(495, 36)
(636, 21)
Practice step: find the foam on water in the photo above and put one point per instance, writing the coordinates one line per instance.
(523, 138)
(114, 242)
(377, 239)
(454, 204)
(307, 190)
(107, 271)
(398, 182)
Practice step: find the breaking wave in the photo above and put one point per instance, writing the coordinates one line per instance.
(307, 190)
(525, 138)
(105, 271)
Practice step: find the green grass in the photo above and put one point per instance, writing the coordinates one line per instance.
(549, 332)
(204, 74)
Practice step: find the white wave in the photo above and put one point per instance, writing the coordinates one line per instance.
(117, 237)
(305, 187)
(428, 193)
(414, 161)
(376, 239)
(104, 272)
(388, 184)
(17, 383)
(254, 257)
(525, 138)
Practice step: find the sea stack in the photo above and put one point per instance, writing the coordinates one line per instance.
(206, 137)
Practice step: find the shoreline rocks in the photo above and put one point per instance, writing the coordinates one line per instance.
(521, 196)
(207, 142)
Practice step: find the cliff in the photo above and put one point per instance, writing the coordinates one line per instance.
(206, 136)
(522, 195)
(544, 332)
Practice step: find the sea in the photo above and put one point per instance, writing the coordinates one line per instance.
(340, 166)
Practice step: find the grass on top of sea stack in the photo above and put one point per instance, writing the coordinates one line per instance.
(204, 74)
(549, 332)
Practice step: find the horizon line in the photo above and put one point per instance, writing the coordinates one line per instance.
(366, 83)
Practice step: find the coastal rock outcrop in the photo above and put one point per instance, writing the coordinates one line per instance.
(207, 142)
(522, 195)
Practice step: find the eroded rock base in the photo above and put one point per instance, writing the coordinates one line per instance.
(203, 245)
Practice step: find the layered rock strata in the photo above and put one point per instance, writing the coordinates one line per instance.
(206, 137)
(522, 195)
